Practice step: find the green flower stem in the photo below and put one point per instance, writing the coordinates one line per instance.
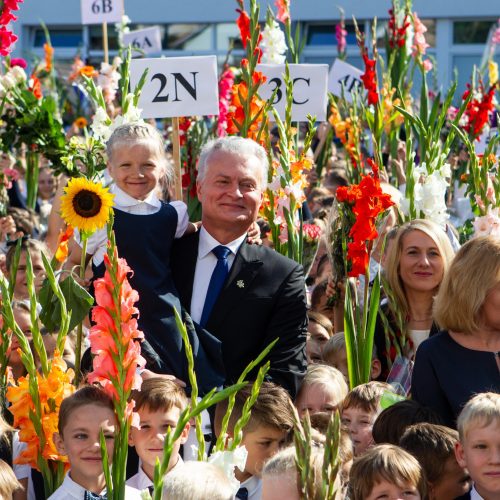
(32, 170)
(79, 332)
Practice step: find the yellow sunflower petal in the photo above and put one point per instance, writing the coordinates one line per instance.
(86, 205)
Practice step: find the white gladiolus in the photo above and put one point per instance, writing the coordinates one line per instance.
(227, 461)
(19, 74)
(8, 81)
(273, 44)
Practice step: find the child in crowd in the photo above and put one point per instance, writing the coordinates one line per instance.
(270, 423)
(23, 319)
(280, 475)
(479, 447)
(334, 354)
(137, 163)
(393, 421)
(322, 390)
(359, 411)
(82, 416)
(197, 481)
(319, 330)
(159, 404)
(387, 471)
(35, 249)
(434, 448)
(8, 482)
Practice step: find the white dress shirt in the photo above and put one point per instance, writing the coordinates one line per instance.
(205, 266)
(69, 490)
(474, 495)
(141, 481)
(96, 244)
(254, 486)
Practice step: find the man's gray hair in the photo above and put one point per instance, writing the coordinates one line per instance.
(237, 146)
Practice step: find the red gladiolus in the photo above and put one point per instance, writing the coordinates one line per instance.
(367, 201)
(369, 79)
(7, 38)
(397, 35)
(478, 111)
(36, 87)
(243, 23)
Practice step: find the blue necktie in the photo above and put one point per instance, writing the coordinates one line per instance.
(92, 496)
(216, 281)
(242, 494)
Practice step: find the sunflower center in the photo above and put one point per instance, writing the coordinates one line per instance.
(87, 203)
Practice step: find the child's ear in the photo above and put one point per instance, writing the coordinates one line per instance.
(460, 455)
(59, 443)
(185, 433)
(131, 438)
(376, 369)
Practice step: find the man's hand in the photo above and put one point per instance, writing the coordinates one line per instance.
(149, 374)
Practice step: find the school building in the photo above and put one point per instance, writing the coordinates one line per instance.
(458, 30)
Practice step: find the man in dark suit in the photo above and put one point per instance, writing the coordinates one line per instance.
(245, 295)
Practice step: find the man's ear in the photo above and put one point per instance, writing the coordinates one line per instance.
(59, 443)
(460, 455)
(198, 189)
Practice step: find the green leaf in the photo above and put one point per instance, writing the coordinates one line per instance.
(78, 301)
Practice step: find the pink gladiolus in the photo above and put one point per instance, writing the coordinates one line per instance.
(496, 35)
(419, 43)
(427, 63)
(225, 87)
(114, 339)
(283, 7)
(340, 35)
(19, 61)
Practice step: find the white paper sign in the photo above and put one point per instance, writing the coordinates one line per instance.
(484, 140)
(309, 89)
(101, 11)
(177, 86)
(148, 40)
(343, 74)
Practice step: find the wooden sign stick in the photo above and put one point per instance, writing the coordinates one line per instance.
(177, 159)
(105, 42)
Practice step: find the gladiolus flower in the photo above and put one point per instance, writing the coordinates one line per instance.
(340, 35)
(18, 61)
(369, 79)
(243, 23)
(283, 7)
(62, 247)
(367, 201)
(36, 87)
(49, 54)
(88, 71)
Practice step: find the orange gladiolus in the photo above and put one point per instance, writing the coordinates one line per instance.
(62, 247)
(49, 54)
(88, 71)
(36, 87)
(81, 122)
(51, 391)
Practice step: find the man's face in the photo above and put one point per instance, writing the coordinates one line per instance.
(480, 454)
(261, 444)
(231, 190)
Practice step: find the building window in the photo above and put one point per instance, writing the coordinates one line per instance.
(228, 35)
(471, 32)
(59, 37)
(188, 37)
(324, 34)
(96, 39)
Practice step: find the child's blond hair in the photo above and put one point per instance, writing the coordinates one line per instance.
(327, 377)
(385, 462)
(481, 411)
(160, 394)
(8, 481)
(333, 346)
(366, 396)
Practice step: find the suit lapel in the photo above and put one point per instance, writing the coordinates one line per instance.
(245, 267)
(187, 260)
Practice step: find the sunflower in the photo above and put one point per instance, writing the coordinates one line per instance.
(86, 205)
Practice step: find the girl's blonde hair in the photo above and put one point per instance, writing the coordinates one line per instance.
(385, 462)
(474, 272)
(393, 260)
(327, 377)
(8, 481)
